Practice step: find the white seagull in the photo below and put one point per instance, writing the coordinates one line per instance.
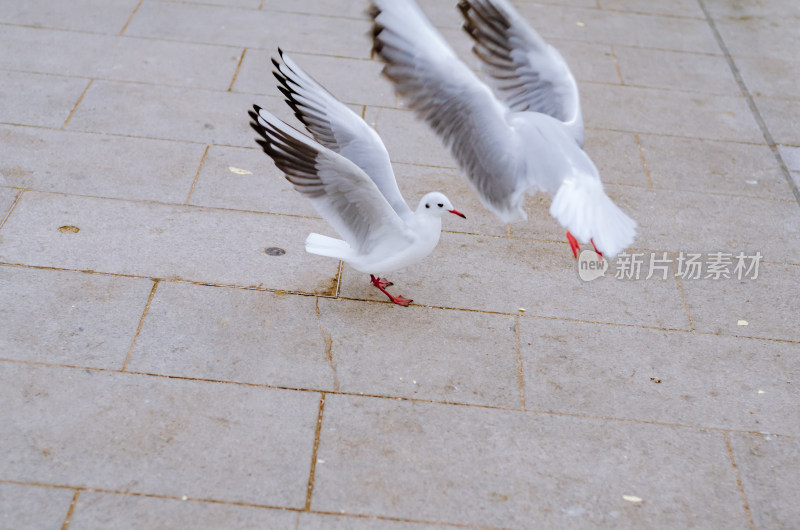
(521, 133)
(346, 173)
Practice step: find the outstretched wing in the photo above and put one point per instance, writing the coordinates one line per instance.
(338, 128)
(522, 69)
(340, 190)
(451, 99)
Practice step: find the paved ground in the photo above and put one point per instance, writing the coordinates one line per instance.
(160, 369)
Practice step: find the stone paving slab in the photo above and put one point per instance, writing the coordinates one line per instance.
(95, 510)
(336, 74)
(69, 318)
(24, 507)
(35, 99)
(121, 59)
(474, 362)
(246, 179)
(673, 113)
(233, 335)
(483, 467)
(129, 433)
(707, 74)
(96, 16)
(539, 277)
(769, 467)
(769, 309)
(660, 376)
(7, 198)
(230, 26)
(712, 166)
(618, 27)
(98, 164)
(165, 241)
(170, 113)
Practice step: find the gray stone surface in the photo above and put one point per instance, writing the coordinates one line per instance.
(230, 26)
(768, 466)
(7, 198)
(98, 164)
(155, 361)
(123, 59)
(502, 468)
(96, 16)
(24, 507)
(660, 376)
(539, 277)
(769, 310)
(246, 179)
(170, 113)
(473, 359)
(165, 241)
(144, 434)
(36, 99)
(70, 318)
(96, 510)
(189, 331)
(711, 166)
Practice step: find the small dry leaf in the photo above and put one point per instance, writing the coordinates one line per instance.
(655, 379)
(522, 309)
(632, 498)
(69, 229)
(239, 171)
(580, 24)
(742, 323)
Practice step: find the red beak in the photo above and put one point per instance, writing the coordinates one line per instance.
(458, 213)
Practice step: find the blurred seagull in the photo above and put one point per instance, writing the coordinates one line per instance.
(521, 133)
(346, 173)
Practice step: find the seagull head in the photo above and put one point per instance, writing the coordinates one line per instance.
(436, 203)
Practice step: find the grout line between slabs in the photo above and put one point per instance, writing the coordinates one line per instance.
(71, 510)
(12, 208)
(562, 414)
(317, 431)
(520, 373)
(738, 480)
(616, 64)
(130, 18)
(372, 301)
(72, 112)
(236, 72)
(751, 103)
(644, 161)
(244, 504)
(141, 323)
(197, 175)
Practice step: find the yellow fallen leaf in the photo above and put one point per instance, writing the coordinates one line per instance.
(522, 310)
(239, 171)
(742, 323)
(632, 498)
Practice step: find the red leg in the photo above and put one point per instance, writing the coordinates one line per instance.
(599, 254)
(379, 283)
(573, 244)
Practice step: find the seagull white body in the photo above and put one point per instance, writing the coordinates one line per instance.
(345, 171)
(519, 132)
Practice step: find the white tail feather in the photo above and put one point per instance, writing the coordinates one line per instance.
(585, 210)
(328, 246)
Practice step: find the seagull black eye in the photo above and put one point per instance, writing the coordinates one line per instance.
(440, 205)
(427, 206)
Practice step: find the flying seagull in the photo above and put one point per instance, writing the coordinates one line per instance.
(520, 131)
(345, 172)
